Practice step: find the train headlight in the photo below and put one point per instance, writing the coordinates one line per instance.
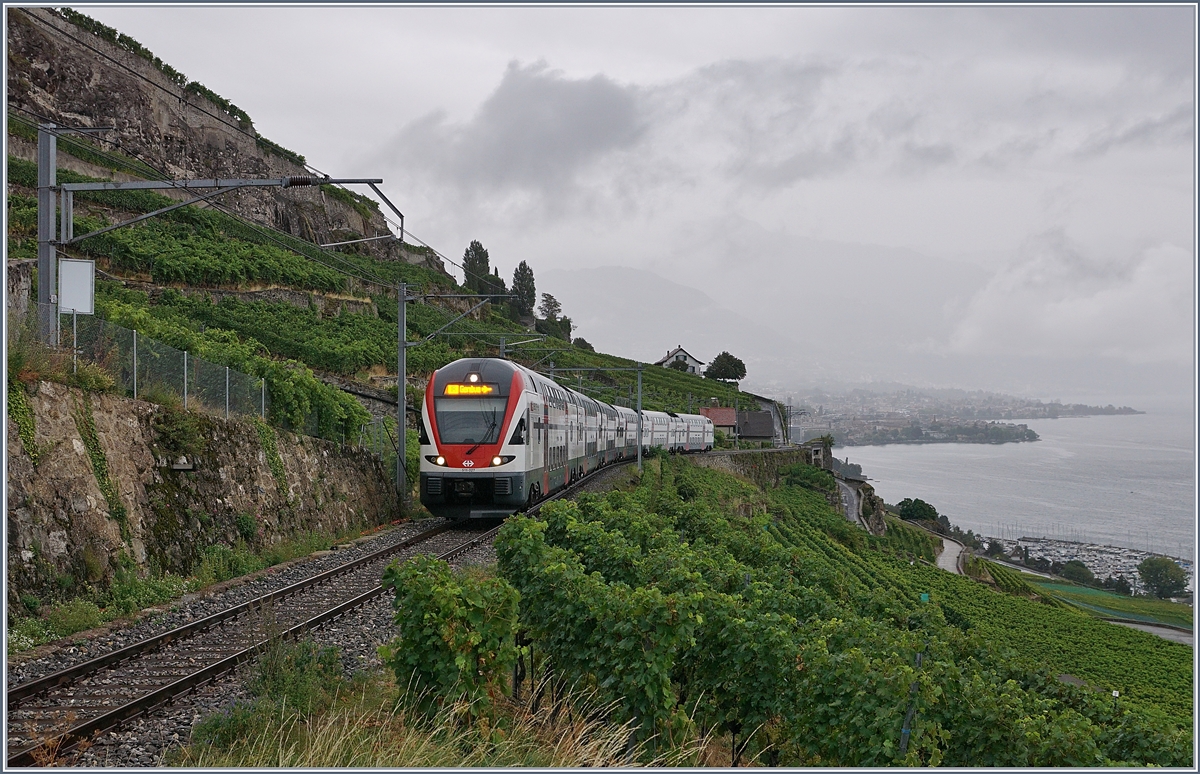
(500, 460)
(436, 460)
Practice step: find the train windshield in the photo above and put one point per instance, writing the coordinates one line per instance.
(470, 420)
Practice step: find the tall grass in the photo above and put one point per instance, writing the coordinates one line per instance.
(376, 725)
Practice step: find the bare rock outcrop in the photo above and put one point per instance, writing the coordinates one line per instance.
(64, 532)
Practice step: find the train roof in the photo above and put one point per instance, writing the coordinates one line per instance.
(499, 371)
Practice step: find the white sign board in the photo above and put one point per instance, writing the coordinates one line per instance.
(76, 286)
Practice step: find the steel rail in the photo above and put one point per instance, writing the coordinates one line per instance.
(19, 693)
(70, 738)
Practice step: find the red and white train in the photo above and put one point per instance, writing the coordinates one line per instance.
(497, 437)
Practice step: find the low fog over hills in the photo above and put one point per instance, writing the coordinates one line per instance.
(843, 321)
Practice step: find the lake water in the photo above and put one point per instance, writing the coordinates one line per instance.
(1115, 480)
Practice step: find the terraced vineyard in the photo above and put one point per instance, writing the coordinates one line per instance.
(189, 252)
(785, 618)
(1105, 604)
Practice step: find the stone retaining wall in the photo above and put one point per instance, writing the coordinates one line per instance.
(62, 532)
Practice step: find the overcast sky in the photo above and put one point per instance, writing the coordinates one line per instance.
(996, 198)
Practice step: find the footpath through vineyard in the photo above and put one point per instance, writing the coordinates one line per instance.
(701, 605)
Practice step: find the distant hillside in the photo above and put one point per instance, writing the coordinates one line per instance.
(79, 72)
(246, 283)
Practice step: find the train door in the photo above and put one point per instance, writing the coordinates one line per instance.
(535, 449)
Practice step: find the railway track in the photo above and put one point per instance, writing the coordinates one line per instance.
(52, 715)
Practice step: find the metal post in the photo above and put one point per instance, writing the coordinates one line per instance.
(135, 364)
(227, 392)
(74, 342)
(501, 347)
(262, 412)
(401, 385)
(47, 257)
(639, 413)
(185, 375)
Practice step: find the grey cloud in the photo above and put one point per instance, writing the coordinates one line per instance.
(1173, 128)
(803, 165)
(1156, 35)
(1017, 150)
(536, 132)
(1153, 37)
(764, 112)
(1055, 299)
(919, 157)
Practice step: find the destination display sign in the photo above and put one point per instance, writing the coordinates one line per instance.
(471, 389)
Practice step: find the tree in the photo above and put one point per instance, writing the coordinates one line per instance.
(726, 368)
(582, 343)
(916, 510)
(994, 548)
(1077, 571)
(494, 285)
(553, 324)
(550, 308)
(524, 290)
(678, 365)
(1118, 585)
(1163, 577)
(476, 268)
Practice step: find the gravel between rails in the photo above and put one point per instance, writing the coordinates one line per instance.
(84, 646)
(145, 741)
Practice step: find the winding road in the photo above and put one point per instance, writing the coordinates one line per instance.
(850, 504)
(948, 560)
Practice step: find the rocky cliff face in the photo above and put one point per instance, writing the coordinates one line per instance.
(64, 530)
(62, 73)
(872, 509)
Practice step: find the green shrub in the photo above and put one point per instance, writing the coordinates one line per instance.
(247, 527)
(809, 477)
(300, 676)
(91, 376)
(28, 633)
(456, 632)
(178, 433)
(74, 616)
(130, 593)
(220, 563)
(31, 603)
(240, 720)
(289, 679)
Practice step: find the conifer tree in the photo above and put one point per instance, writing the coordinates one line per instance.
(476, 268)
(524, 290)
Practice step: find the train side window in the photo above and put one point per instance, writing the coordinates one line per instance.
(518, 436)
(424, 439)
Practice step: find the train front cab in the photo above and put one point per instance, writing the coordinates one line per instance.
(476, 440)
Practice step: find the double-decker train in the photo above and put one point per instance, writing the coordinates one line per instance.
(497, 437)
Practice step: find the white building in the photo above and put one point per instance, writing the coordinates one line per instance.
(679, 354)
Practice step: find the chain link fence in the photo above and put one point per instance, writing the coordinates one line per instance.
(150, 370)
